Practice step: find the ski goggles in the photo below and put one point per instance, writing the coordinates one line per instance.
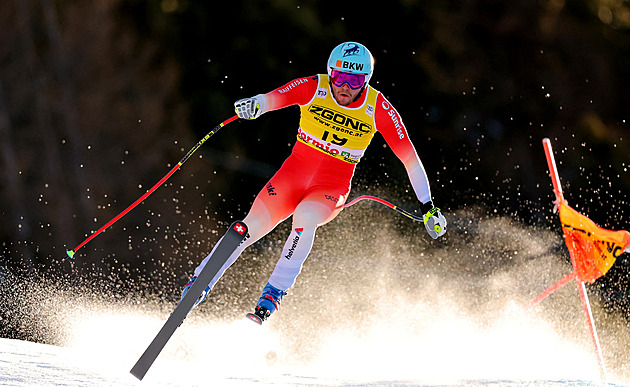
(354, 81)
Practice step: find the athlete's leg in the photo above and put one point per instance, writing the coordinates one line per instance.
(307, 216)
(259, 223)
(274, 203)
(318, 208)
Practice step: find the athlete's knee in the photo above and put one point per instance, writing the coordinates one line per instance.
(311, 214)
(258, 222)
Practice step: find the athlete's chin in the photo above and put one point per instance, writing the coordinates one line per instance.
(343, 99)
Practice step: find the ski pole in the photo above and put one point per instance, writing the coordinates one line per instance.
(388, 204)
(156, 186)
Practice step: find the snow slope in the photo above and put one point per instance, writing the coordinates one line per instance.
(105, 346)
(397, 314)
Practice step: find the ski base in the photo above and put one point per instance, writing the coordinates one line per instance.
(254, 318)
(231, 240)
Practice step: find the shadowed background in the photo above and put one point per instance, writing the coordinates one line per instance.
(98, 100)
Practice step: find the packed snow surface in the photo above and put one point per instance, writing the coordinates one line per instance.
(371, 308)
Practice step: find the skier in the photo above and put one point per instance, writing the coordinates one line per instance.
(340, 112)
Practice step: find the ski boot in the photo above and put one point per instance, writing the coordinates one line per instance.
(201, 298)
(268, 303)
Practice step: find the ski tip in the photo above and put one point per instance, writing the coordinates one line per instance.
(139, 374)
(254, 318)
(70, 253)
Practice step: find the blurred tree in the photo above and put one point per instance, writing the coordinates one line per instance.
(82, 94)
(97, 99)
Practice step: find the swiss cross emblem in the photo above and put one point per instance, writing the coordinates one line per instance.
(239, 228)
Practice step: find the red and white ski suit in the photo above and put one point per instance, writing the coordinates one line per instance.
(314, 181)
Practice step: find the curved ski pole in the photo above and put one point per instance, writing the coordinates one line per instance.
(388, 204)
(71, 253)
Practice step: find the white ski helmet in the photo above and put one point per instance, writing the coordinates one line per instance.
(352, 57)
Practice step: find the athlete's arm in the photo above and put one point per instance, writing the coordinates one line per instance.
(390, 125)
(299, 91)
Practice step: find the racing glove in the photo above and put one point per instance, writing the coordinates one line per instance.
(250, 108)
(434, 221)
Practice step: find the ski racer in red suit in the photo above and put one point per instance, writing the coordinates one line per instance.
(340, 113)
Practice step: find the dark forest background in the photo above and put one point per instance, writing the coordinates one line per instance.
(98, 100)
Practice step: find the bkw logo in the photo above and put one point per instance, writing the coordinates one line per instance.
(350, 65)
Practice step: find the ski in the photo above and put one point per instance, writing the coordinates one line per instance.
(231, 240)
